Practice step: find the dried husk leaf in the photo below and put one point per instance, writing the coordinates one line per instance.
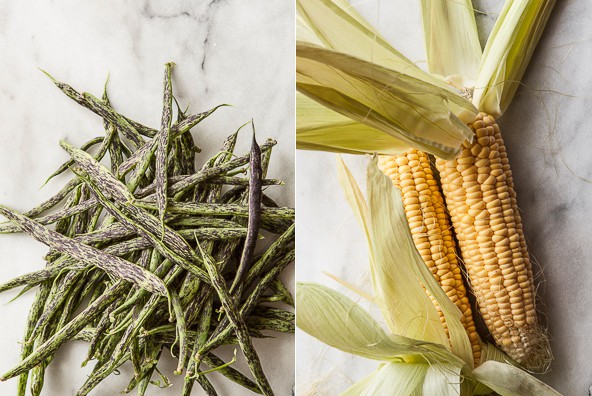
(322, 129)
(508, 51)
(451, 39)
(508, 380)
(410, 109)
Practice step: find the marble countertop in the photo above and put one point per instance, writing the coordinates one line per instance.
(548, 142)
(235, 52)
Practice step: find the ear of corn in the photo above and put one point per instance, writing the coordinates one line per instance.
(431, 231)
(480, 196)
(347, 67)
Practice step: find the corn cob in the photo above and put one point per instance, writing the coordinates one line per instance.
(431, 231)
(480, 197)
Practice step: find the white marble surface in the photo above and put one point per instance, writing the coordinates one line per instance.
(548, 139)
(230, 51)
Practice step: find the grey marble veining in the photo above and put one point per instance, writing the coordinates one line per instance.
(548, 139)
(226, 51)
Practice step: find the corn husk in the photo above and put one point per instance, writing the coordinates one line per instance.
(322, 129)
(349, 68)
(399, 274)
(339, 322)
(338, 26)
(508, 51)
(410, 110)
(418, 367)
(508, 380)
(451, 40)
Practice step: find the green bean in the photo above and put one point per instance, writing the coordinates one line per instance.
(206, 386)
(198, 208)
(282, 293)
(279, 325)
(68, 331)
(27, 346)
(162, 140)
(204, 222)
(254, 214)
(147, 368)
(241, 329)
(111, 264)
(54, 200)
(115, 146)
(201, 336)
(145, 151)
(181, 331)
(234, 375)
(264, 311)
(64, 167)
(98, 374)
(107, 113)
(222, 180)
(63, 214)
(99, 333)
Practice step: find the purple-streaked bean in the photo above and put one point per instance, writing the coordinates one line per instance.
(115, 266)
(148, 148)
(163, 139)
(198, 208)
(251, 301)
(254, 214)
(67, 332)
(237, 321)
(206, 174)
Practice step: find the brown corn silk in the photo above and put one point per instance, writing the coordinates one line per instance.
(431, 230)
(480, 197)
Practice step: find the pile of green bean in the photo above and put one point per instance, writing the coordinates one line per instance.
(151, 254)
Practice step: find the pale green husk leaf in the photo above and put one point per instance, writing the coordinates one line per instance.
(357, 388)
(451, 39)
(397, 269)
(339, 322)
(320, 128)
(508, 51)
(404, 304)
(411, 110)
(405, 378)
(390, 225)
(508, 380)
(442, 380)
(305, 33)
(338, 26)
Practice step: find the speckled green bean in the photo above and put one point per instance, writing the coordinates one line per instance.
(236, 319)
(68, 331)
(115, 266)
